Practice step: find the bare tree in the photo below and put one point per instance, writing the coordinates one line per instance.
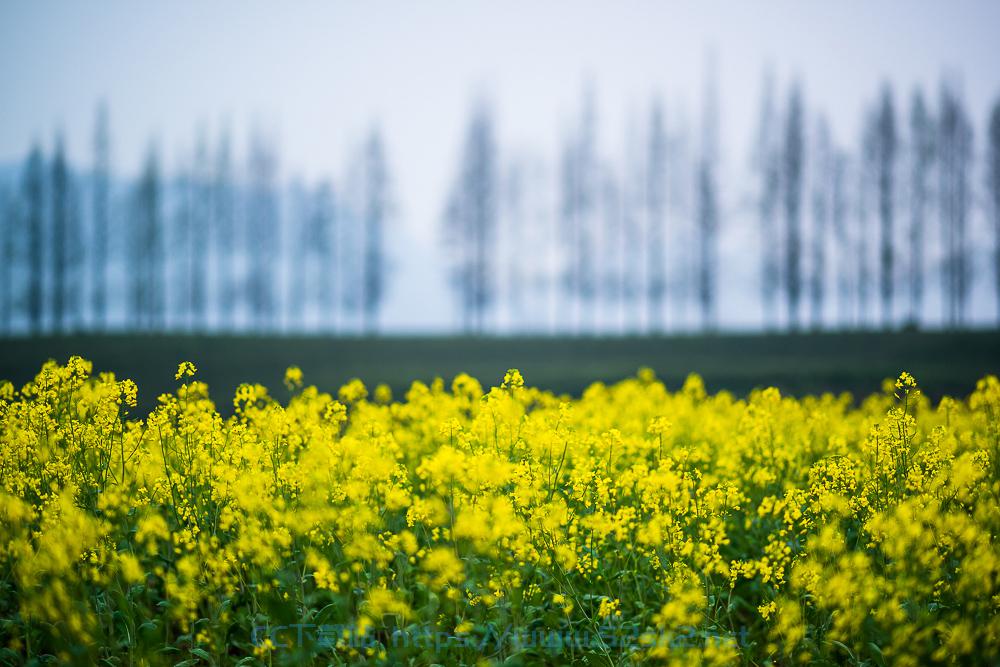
(514, 217)
(541, 237)
(767, 165)
(74, 295)
(226, 239)
(683, 203)
(470, 221)
(612, 240)
(180, 261)
(59, 234)
(376, 211)
(101, 216)
(708, 206)
(263, 215)
(579, 195)
(66, 243)
(8, 257)
(866, 173)
(656, 207)
(323, 250)
(955, 154)
(299, 222)
(993, 188)
(708, 221)
(146, 256)
(632, 205)
(32, 191)
(821, 203)
(201, 213)
(793, 160)
(921, 162)
(885, 147)
(313, 289)
(568, 230)
(838, 220)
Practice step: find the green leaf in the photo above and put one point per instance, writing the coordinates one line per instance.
(203, 654)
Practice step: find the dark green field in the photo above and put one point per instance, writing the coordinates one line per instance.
(943, 363)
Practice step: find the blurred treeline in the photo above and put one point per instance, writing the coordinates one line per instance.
(847, 232)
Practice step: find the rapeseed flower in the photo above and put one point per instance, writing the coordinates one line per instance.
(716, 529)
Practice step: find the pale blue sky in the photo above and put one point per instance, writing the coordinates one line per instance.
(319, 73)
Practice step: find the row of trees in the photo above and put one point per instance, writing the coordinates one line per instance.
(602, 242)
(882, 235)
(846, 238)
(912, 176)
(208, 247)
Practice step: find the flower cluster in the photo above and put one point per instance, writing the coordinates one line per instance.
(712, 529)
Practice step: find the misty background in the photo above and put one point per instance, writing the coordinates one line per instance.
(564, 168)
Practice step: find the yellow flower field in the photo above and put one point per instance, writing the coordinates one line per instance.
(461, 525)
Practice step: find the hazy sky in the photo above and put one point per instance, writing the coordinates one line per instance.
(319, 74)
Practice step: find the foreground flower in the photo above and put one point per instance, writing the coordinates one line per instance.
(633, 523)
